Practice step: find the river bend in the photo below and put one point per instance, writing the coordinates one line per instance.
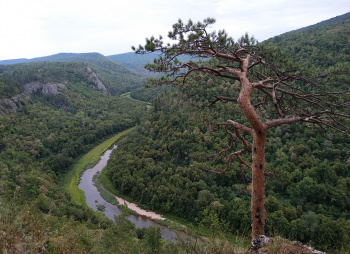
(93, 199)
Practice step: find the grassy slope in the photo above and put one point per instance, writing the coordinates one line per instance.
(71, 180)
(127, 95)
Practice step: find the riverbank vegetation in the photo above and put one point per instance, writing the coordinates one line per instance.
(158, 165)
(41, 136)
(71, 179)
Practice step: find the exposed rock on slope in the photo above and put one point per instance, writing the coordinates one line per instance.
(93, 77)
(47, 89)
(52, 89)
(8, 106)
(265, 245)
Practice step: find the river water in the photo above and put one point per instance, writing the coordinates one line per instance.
(93, 199)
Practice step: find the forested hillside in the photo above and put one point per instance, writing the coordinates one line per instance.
(321, 45)
(116, 78)
(54, 109)
(134, 62)
(308, 171)
(50, 114)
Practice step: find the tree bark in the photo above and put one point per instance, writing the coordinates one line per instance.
(258, 183)
(258, 152)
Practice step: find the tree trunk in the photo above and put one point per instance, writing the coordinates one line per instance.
(258, 183)
(259, 132)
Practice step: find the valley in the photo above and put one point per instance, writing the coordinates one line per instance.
(59, 113)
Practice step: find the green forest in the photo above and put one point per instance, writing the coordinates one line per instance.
(159, 164)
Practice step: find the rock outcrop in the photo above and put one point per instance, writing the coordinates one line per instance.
(32, 87)
(9, 106)
(258, 243)
(93, 77)
(264, 245)
(47, 89)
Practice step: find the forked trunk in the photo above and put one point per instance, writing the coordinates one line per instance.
(258, 183)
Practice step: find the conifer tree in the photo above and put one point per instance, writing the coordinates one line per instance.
(266, 80)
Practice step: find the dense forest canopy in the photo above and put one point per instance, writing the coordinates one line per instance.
(322, 45)
(41, 135)
(158, 165)
(174, 136)
(265, 80)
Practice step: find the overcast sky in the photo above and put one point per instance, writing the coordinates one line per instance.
(34, 28)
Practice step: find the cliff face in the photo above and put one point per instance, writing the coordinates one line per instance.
(8, 106)
(93, 77)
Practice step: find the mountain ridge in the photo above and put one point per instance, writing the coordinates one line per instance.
(324, 44)
(134, 61)
(337, 19)
(307, 190)
(37, 59)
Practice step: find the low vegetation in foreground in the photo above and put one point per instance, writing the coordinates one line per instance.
(43, 134)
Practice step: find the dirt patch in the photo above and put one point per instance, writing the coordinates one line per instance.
(139, 210)
(278, 245)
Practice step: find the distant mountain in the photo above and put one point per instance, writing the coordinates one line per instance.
(137, 62)
(96, 59)
(117, 78)
(134, 61)
(129, 60)
(56, 57)
(15, 61)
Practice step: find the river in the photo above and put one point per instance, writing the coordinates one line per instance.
(93, 199)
